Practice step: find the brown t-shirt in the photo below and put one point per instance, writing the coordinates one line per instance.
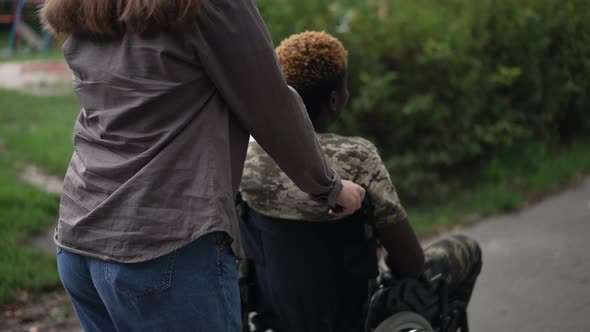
(160, 143)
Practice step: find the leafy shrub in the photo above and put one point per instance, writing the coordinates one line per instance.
(442, 86)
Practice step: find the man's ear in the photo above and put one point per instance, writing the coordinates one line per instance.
(333, 103)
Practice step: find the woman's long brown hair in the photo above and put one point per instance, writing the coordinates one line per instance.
(111, 17)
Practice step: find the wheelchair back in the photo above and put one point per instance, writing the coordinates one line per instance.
(324, 277)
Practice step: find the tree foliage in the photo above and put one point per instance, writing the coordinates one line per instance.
(441, 86)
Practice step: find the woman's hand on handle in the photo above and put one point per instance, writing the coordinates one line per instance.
(350, 199)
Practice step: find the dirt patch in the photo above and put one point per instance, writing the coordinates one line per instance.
(36, 177)
(44, 242)
(52, 185)
(48, 312)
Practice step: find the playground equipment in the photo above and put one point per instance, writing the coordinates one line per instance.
(20, 30)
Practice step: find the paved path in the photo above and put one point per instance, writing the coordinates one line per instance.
(536, 274)
(36, 77)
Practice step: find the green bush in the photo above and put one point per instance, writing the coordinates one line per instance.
(442, 86)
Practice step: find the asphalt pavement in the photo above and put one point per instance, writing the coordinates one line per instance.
(536, 272)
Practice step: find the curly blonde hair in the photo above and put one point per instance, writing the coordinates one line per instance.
(314, 63)
(312, 59)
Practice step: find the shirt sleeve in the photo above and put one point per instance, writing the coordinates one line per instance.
(373, 175)
(235, 49)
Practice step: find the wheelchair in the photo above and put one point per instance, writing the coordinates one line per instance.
(393, 304)
(410, 304)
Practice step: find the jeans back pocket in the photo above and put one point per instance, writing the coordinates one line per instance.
(139, 280)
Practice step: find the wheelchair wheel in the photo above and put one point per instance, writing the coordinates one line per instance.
(405, 322)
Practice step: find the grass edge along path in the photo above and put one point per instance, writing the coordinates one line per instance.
(25, 211)
(509, 182)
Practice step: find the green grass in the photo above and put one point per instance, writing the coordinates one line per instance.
(511, 180)
(24, 211)
(38, 129)
(35, 130)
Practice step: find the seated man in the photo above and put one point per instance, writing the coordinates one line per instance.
(309, 275)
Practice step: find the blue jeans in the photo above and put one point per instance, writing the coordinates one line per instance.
(194, 288)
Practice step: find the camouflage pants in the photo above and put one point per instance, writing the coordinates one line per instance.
(458, 259)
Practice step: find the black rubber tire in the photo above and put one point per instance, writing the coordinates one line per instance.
(405, 321)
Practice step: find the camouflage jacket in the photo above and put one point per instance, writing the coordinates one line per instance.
(270, 192)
